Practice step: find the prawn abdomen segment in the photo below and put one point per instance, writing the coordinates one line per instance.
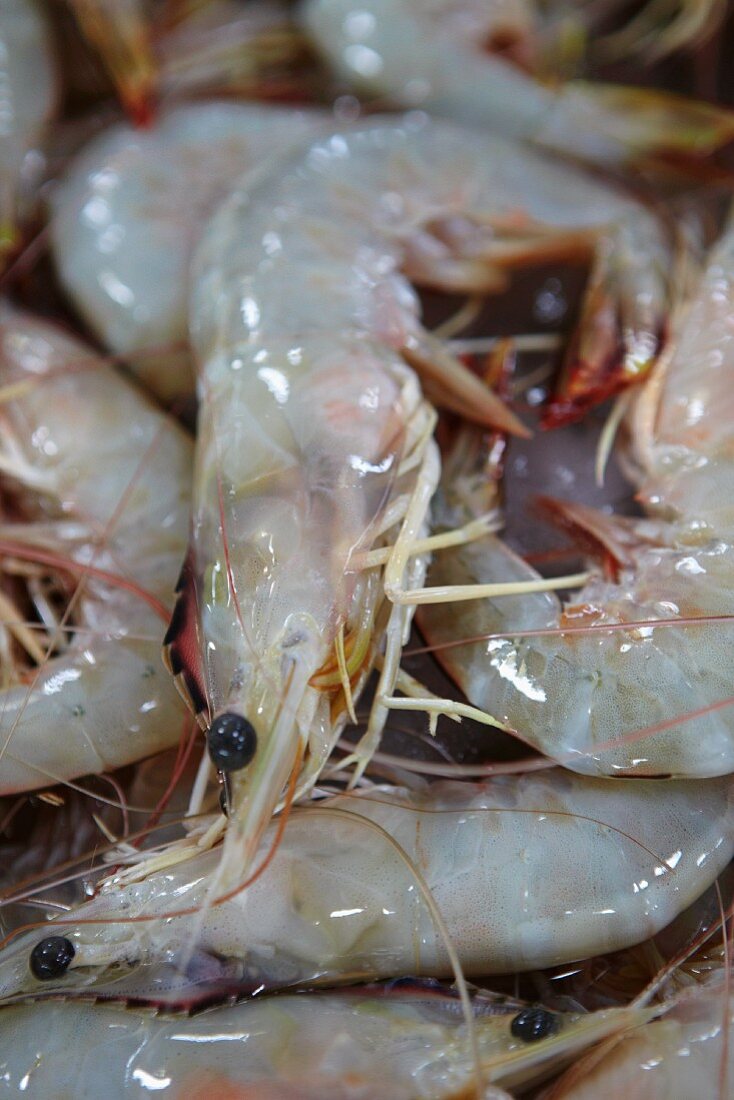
(29, 89)
(327, 245)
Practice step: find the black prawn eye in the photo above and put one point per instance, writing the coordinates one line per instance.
(534, 1023)
(51, 957)
(232, 742)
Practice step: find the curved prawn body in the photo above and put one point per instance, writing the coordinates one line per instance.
(315, 442)
(432, 54)
(407, 1041)
(687, 1052)
(589, 698)
(97, 490)
(148, 193)
(28, 87)
(344, 896)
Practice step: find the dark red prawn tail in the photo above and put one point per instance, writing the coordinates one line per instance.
(601, 359)
(664, 134)
(123, 39)
(610, 540)
(182, 645)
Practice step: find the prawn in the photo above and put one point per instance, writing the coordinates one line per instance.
(630, 677)
(28, 93)
(315, 443)
(130, 209)
(96, 486)
(343, 897)
(431, 54)
(405, 1040)
(688, 1051)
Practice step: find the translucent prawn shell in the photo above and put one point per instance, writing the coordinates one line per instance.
(321, 245)
(526, 872)
(27, 80)
(687, 1052)
(101, 479)
(130, 210)
(433, 55)
(300, 313)
(367, 1044)
(429, 54)
(298, 452)
(593, 701)
(649, 699)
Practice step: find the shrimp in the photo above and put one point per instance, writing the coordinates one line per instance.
(27, 92)
(343, 898)
(587, 697)
(406, 1040)
(315, 442)
(96, 487)
(431, 54)
(128, 214)
(688, 1052)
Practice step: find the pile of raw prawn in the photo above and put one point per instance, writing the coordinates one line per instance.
(365, 723)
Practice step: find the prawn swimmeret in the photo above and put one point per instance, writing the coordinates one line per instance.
(652, 698)
(95, 502)
(315, 458)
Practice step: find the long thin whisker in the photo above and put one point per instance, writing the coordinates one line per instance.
(556, 631)
(86, 631)
(457, 771)
(37, 883)
(46, 557)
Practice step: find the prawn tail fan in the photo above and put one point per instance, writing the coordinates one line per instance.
(181, 647)
(670, 134)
